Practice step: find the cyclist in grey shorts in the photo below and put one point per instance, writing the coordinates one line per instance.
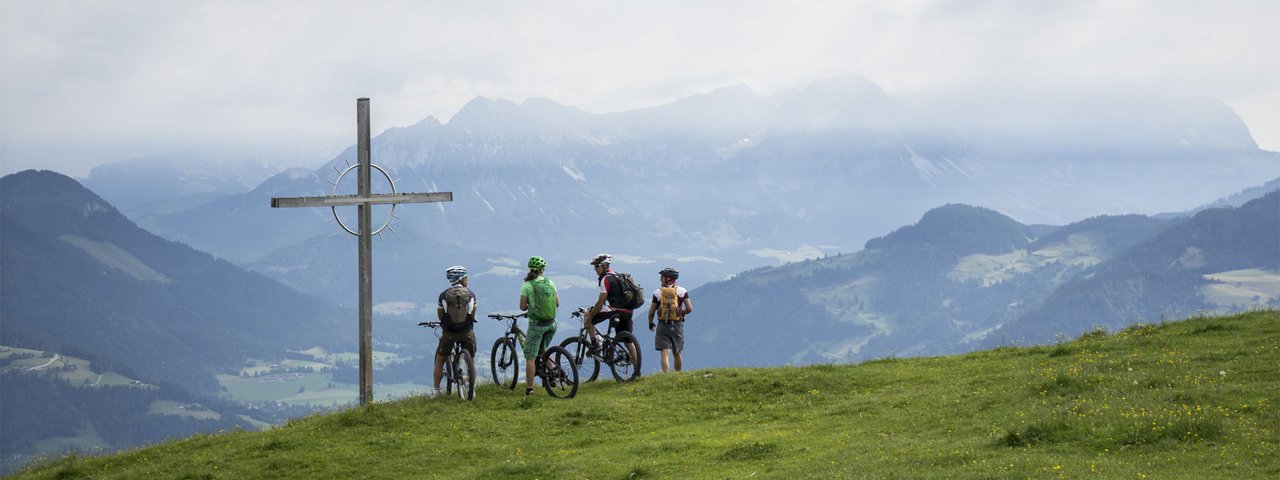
(670, 304)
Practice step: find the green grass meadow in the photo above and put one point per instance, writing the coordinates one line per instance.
(1192, 399)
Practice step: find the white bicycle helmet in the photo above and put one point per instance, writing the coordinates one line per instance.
(455, 273)
(602, 259)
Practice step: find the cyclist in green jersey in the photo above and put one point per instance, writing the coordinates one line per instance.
(539, 298)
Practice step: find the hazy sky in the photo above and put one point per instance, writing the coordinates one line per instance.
(86, 82)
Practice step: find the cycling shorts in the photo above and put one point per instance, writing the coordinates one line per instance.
(621, 320)
(447, 339)
(538, 339)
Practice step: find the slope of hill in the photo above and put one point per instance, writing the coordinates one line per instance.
(933, 287)
(1189, 399)
(1234, 200)
(77, 275)
(1166, 276)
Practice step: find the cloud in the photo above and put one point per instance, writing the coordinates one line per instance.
(82, 82)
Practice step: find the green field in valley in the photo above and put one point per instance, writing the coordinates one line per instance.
(302, 382)
(1248, 287)
(189, 410)
(71, 369)
(308, 388)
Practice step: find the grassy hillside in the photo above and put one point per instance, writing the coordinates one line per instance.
(1193, 399)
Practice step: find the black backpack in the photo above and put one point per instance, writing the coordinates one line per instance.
(624, 292)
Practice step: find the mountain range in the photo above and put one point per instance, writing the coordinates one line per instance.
(177, 181)
(731, 180)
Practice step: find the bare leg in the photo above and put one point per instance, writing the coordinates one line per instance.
(662, 357)
(438, 372)
(528, 377)
(679, 360)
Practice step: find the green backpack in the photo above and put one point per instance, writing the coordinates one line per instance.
(542, 304)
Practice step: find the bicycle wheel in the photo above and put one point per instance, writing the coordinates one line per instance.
(624, 366)
(588, 367)
(464, 373)
(559, 378)
(505, 363)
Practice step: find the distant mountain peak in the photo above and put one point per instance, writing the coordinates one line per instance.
(959, 229)
(481, 111)
(952, 211)
(538, 113)
(52, 195)
(426, 123)
(839, 103)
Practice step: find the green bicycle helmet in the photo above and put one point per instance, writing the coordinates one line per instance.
(537, 263)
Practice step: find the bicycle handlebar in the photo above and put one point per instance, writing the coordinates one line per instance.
(499, 316)
(429, 324)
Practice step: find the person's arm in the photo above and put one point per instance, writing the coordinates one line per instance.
(440, 307)
(652, 308)
(688, 306)
(557, 299)
(526, 289)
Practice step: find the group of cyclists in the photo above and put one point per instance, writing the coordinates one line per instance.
(539, 298)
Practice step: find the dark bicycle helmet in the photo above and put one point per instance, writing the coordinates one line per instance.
(537, 263)
(670, 273)
(602, 259)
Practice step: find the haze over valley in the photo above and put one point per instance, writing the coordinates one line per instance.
(839, 183)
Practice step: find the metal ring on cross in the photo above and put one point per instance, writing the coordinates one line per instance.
(335, 192)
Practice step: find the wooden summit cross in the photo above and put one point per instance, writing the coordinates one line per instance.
(364, 200)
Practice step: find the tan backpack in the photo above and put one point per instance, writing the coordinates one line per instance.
(669, 304)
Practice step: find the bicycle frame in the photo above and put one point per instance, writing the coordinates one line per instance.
(504, 359)
(506, 366)
(452, 371)
(610, 343)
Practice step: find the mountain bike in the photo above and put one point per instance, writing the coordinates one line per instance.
(506, 360)
(555, 367)
(459, 368)
(615, 351)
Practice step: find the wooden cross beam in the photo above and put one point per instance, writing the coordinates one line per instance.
(364, 200)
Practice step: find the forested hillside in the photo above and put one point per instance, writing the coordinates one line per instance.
(965, 277)
(54, 403)
(77, 275)
(1164, 276)
(101, 418)
(935, 286)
